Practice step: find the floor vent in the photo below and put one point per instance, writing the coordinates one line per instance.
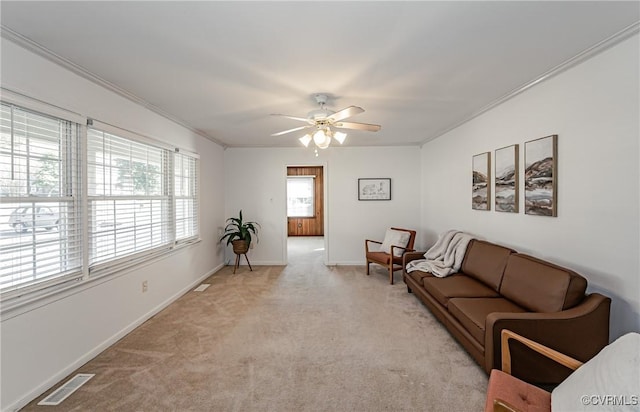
(202, 287)
(63, 392)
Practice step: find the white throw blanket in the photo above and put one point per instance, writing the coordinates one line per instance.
(445, 257)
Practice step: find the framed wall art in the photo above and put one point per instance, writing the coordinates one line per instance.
(374, 189)
(506, 179)
(481, 182)
(540, 176)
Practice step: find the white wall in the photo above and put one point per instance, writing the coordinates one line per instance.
(41, 346)
(256, 183)
(594, 109)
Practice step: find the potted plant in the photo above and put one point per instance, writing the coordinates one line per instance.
(238, 233)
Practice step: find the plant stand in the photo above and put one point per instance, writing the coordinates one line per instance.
(240, 247)
(238, 262)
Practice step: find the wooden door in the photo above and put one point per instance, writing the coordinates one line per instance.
(309, 226)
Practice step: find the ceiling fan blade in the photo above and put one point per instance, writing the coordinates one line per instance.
(344, 113)
(302, 119)
(358, 126)
(291, 130)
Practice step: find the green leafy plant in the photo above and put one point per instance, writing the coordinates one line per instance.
(238, 229)
(47, 178)
(142, 176)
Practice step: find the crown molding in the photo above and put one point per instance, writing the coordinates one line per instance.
(42, 51)
(598, 48)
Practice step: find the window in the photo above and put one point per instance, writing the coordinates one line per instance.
(129, 203)
(186, 196)
(40, 237)
(71, 211)
(300, 196)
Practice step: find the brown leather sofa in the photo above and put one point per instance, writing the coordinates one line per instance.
(498, 288)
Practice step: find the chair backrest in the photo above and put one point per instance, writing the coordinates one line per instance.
(412, 236)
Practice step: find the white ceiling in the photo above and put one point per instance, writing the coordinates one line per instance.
(417, 68)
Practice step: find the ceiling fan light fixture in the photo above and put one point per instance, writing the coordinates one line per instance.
(321, 139)
(305, 140)
(323, 123)
(340, 136)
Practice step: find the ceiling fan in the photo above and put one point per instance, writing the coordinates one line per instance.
(323, 121)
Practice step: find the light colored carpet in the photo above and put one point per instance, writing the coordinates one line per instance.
(304, 337)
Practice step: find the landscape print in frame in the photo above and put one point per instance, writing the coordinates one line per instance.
(481, 182)
(506, 175)
(540, 176)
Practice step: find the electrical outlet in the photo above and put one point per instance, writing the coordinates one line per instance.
(145, 286)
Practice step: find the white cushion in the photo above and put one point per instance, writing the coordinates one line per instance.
(395, 238)
(607, 382)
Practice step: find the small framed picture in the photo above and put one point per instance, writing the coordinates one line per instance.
(374, 189)
(481, 182)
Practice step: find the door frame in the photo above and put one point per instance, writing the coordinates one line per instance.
(325, 207)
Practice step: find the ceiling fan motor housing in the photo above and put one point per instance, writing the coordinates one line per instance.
(323, 119)
(319, 114)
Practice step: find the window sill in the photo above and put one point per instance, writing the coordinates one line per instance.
(19, 305)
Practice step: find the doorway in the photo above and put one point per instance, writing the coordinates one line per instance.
(305, 210)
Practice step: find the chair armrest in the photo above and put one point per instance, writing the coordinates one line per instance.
(366, 244)
(561, 358)
(405, 250)
(503, 406)
(580, 332)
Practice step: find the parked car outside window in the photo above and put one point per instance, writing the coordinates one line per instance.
(25, 218)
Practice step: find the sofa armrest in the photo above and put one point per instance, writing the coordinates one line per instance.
(580, 332)
(561, 358)
(411, 255)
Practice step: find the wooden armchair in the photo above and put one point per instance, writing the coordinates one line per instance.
(390, 258)
(507, 393)
(606, 382)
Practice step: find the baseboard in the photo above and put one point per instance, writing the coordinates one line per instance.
(263, 263)
(282, 263)
(347, 263)
(104, 345)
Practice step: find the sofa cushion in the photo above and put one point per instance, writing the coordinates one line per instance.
(419, 276)
(456, 286)
(472, 312)
(541, 286)
(486, 262)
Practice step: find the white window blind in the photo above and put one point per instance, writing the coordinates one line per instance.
(186, 197)
(141, 199)
(40, 220)
(300, 196)
(130, 207)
